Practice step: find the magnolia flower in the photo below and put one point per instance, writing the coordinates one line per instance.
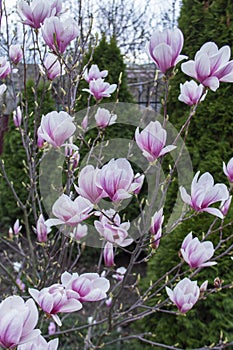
(87, 184)
(5, 68)
(204, 193)
(17, 117)
(210, 66)
(56, 127)
(88, 286)
(108, 255)
(228, 169)
(94, 73)
(111, 228)
(108, 302)
(57, 34)
(35, 13)
(196, 253)
(17, 321)
(120, 273)
(225, 205)
(104, 118)
(99, 88)
(117, 180)
(152, 141)
(191, 93)
(40, 343)
(156, 228)
(41, 229)
(184, 295)
(15, 53)
(70, 212)
(79, 232)
(53, 67)
(55, 299)
(164, 48)
(17, 227)
(52, 328)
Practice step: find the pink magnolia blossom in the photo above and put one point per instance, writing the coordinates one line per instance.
(15, 53)
(184, 295)
(138, 181)
(164, 48)
(53, 67)
(17, 227)
(88, 286)
(196, 253)
(58, 34)
(40, 343)
(117, 180)
(94, 73)
(225, 205)
(156, 228)
(17, 117)
(120, 273)
(191, 93)
(41, 229)
(108, 302)
(112, 229)
(228, 169)
(79, 232)
(204, 193)
(87, 184)
(35, 13)
(152, 141)
(210, 66)
(104, 118)
(108, 255)
(99, 88)
(56, 127)
(17, 321)
(5, 68)
(55, 299)
(56, 7)
(70, 212)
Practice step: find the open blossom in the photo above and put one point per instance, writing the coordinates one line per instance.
(104, 118)
(39, 343)
(70, 212)
(204, 193)
(164, 48)
(210, 66)
(108, 254)
(152, 141)
(53, 67)
(58, 34)
(79, 232)
(112, 229)
(117, 179)
(41, 229)
(191, 93)
(156, 228)
(88, 286)
(35, 13)
(228, 169)
(184, 295)
(16, 53)
(55, 299)
(17, 321)
(56, 127)
(196, 253)
(99, 88)
(5, 68)
(94, 73)
(17, 117)
(87, 184)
